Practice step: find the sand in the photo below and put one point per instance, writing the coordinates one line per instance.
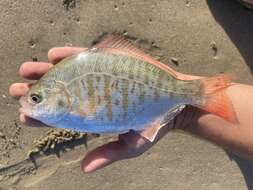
(196, 37)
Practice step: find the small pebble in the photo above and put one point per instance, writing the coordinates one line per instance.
(214, 46)
(52, 146)
(116, 7)
(2, 135)
(51, 22)
(32, 45)
(68, 44)
(174, 60)
(12, 141)
(187, 3)
(35, 59)
(214, 49)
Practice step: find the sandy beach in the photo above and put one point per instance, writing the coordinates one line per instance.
(205, 37)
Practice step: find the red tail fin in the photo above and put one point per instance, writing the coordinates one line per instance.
(216, 100)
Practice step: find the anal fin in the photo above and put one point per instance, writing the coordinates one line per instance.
(152, 130)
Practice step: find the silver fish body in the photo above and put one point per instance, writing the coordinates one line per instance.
(108, 93)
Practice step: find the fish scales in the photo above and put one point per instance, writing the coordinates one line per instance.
(118, 65)
(106, 95)
(115, 104)
(80, 76)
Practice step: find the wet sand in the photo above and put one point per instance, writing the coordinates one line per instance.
(204, 37)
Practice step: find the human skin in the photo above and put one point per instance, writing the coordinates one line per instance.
(237, 138)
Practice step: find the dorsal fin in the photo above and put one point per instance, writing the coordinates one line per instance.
(119, 45)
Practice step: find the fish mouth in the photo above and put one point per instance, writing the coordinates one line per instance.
(25, 107)
(23, 101)
(24, 111)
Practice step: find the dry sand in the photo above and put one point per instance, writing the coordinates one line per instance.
(207, 38)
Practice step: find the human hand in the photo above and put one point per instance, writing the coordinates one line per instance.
(236, 138)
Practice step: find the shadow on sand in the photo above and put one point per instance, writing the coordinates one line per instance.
(237, 22)
(246, 168)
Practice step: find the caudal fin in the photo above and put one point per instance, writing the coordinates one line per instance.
(215, 99)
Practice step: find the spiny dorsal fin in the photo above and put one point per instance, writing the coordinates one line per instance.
(119, 45)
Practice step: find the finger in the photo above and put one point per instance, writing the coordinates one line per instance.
(34, 70)
(129, 145)
(30, 122)
(103, 156)
(58, 53)
(19, 89)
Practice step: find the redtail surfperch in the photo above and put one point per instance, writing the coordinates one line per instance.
(114, 87)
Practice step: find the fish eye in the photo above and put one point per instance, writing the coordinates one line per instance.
(36, 98)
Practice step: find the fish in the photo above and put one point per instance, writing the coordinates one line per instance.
(114, 87)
